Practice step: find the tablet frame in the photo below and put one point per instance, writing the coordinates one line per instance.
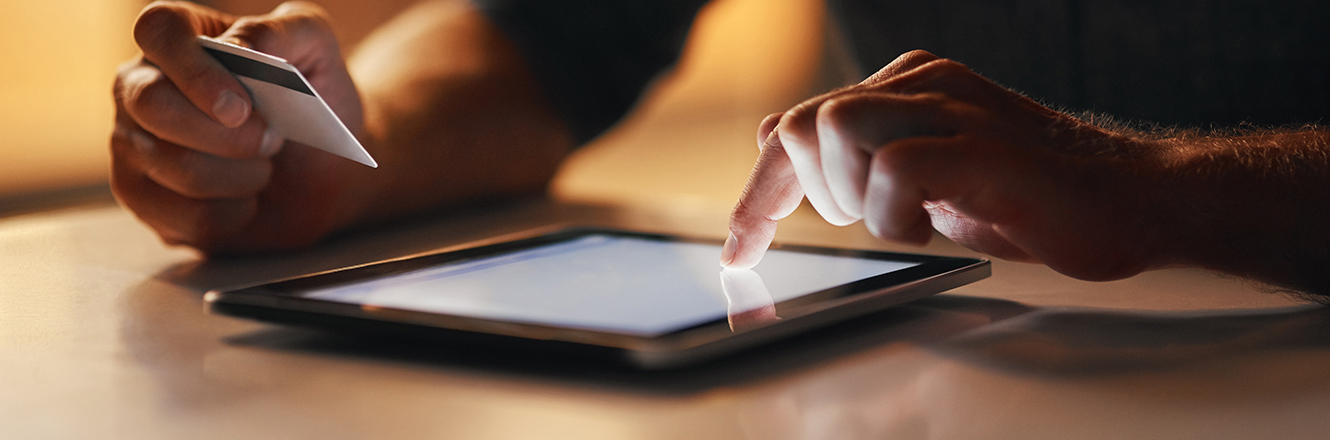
(282, 302)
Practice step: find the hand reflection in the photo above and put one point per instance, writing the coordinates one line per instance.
(749, 304)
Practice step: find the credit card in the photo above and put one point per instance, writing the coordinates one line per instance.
(286, 100)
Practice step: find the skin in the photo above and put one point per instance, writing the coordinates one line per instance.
(193, 161)
(926, 144)
(922, 145)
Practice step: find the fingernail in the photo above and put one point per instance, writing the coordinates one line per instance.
(230, 109)
(727, 251)
(142, 141)
(272, 143)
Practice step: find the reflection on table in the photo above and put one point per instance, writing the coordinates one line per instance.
(103, 335)
(748, 302)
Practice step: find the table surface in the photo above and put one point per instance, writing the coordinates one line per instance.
(103, 335)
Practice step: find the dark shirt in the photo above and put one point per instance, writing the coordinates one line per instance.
(594, 58)
(1174, 62)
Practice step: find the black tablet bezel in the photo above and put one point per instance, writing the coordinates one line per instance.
(282, 301)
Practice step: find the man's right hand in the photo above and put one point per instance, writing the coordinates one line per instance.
(193, 160)
(927, 143)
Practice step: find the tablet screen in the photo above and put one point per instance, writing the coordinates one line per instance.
(612, 283)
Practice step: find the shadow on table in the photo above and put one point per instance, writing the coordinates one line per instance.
(1064, 341)
(989, 333)
(985, 332)
(922, 322)
(925, 321)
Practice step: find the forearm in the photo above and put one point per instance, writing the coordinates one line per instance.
(452, 114)
(1255, 205)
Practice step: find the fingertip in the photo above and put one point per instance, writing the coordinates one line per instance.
(744, 263)
(737, 266)
(727, 251)
(745, 260)
(743, 251)
(271, 143)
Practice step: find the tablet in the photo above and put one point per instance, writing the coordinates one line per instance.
(650, 300)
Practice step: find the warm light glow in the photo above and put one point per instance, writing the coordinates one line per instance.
(57, 61)
(745, 59)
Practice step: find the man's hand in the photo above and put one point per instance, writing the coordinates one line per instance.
(450, 111)
(193, 160)
(926, 143)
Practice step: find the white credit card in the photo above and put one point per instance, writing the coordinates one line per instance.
(286, 100)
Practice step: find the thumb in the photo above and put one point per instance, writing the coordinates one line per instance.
(166, 32)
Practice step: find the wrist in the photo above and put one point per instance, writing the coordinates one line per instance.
(370, 191)
(1249, 206)
(1153, 206)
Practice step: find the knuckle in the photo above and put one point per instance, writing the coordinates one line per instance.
(746, 218)
(802, 111)
(932, 99)
(838, 116)
(306, 15)
(257, 32)
(859, 120)
(314, 28)
(917, 55)
(127, 79)
(946, 66)
(192, 185)
(126, 69)
(120, 142)
(838, 112)
(307, 24)
(896, 159)
(302, 8)
(904, 62)
(159, 23)
(797, 128)
(742, 213)
(150, 98)
(295, 21)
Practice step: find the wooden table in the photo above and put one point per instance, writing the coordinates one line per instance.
(103, 335)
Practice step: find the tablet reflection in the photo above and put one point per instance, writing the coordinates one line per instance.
(749, 303)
